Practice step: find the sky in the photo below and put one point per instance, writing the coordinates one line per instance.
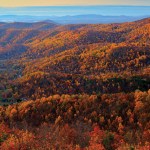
(16, 3)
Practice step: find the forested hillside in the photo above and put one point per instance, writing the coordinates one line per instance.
(75, 86)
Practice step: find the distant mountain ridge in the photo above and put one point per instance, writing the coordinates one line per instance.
(72, 19)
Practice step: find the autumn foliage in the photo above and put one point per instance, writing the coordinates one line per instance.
(75, 87)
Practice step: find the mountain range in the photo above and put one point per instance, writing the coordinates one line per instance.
(63, 51)
(74, 86)
(72, 19)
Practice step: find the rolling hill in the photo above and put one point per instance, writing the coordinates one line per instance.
(57, 38)
(82, 86)
(112, 57)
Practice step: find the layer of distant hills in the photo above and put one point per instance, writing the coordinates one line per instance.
(75, 14)
(72, 19)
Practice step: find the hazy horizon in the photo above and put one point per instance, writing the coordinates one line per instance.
(115, 10)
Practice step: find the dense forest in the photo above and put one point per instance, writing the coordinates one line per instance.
(75, 86)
